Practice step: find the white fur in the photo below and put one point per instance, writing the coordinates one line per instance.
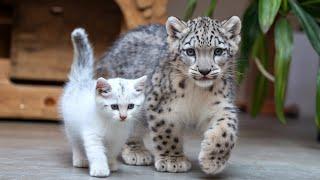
(192, 107)
(95, 130)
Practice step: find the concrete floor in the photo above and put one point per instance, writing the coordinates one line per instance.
(265, 150)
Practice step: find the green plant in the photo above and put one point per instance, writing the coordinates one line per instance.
(268, 19)
(267, 16)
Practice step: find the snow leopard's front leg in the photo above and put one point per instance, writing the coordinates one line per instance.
(219, 140)
(134, 152)
(168, 145)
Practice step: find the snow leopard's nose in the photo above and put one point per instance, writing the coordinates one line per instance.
(123, 117)
(204, 71)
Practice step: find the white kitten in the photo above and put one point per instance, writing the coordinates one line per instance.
(98, 114)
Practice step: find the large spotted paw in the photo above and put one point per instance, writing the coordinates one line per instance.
(172, 164)
(211, 164)
(136, 155)
(213, 156)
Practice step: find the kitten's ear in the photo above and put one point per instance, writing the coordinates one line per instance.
(176, 28)
(232, 27)
(140, 83)
(103, 87)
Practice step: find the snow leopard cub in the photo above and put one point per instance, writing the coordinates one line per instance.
(98, 114)
(190, 68)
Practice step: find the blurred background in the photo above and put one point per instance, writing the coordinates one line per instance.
(34, 39)
(277, 72)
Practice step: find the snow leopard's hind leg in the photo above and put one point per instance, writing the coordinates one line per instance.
(134, 151)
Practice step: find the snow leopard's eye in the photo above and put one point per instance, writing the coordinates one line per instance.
(114, 106)
(218, 51)
(190, 52)
(130, 106)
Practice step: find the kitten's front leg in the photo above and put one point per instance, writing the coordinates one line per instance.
(113, 164)
(95, 150)
(167, 141)
(218, 141)
(78, 157)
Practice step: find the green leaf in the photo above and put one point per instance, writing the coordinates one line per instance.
(309, 2)
(191, 6)
(250, 31)
(309, 25)
(284, 6)
(318, 100)
(268, 10)
(210, 10)
(283, 45)
(259, 51)
(312, 7)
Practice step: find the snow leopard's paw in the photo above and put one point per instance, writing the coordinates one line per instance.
(211, 164)
(215, 153)
(137, 155)
(172, 164)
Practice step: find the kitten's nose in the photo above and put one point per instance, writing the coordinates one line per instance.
(123, 118)
(204, 71)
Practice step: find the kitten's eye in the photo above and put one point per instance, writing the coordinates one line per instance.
(103, 91)
(190, 52)
(114, 106)
(130, 106)
(218, 51)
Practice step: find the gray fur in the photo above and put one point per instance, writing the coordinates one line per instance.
(82, 66)
(129, 57)
(177, 96)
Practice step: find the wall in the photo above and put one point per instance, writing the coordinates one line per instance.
(224, 9)
(302, 79)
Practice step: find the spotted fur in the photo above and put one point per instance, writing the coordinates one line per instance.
(186, 88)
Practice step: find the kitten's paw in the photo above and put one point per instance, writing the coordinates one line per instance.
(213, 157)
(172, 164)
(99, 170)
(80, 163)
(136, 156)
(113, 165)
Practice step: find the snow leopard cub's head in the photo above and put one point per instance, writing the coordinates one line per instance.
(205, 46)
(120, 99)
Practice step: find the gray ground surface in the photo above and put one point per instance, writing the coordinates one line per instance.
(265, 150)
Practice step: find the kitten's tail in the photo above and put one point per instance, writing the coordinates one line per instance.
(83, 60)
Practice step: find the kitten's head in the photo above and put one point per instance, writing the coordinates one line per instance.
(205, 46)
(120, 99)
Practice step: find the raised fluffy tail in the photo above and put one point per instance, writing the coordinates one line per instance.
(83, 60)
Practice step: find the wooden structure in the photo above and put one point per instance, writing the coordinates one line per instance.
(35, 46)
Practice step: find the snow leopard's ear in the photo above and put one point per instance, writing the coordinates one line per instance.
(232, 28)
(103, 87)
(175, 28)
(140, 83)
